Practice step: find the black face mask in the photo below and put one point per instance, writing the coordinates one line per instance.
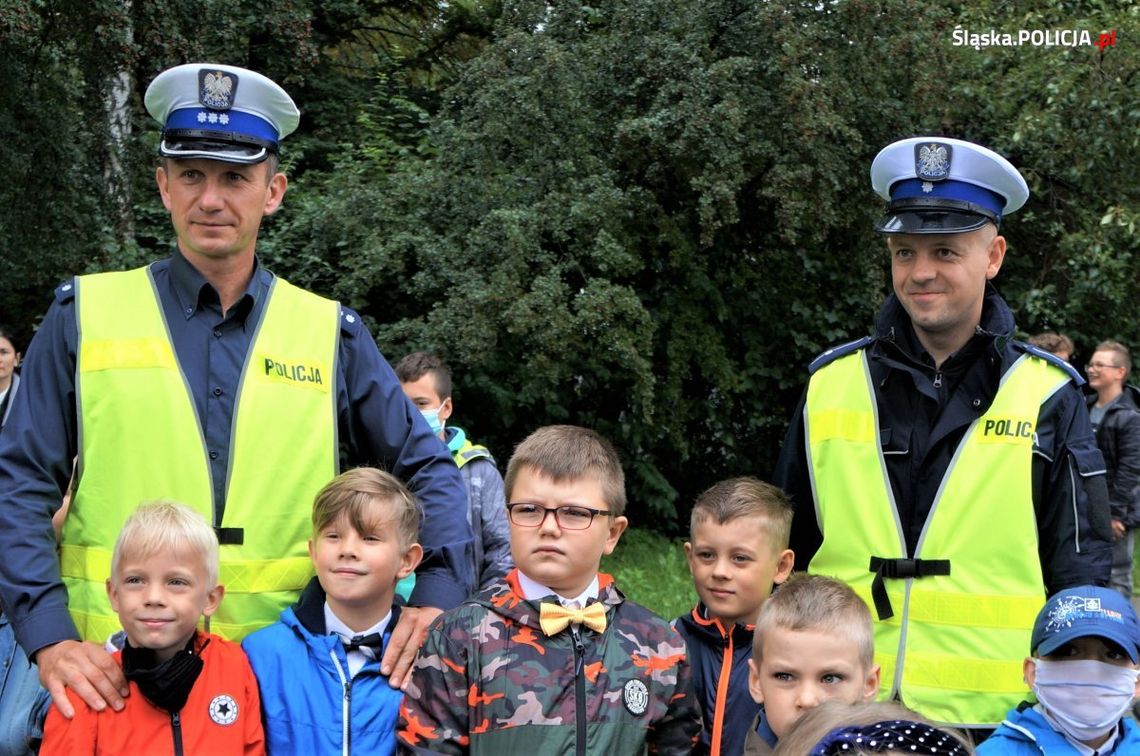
(166, 685)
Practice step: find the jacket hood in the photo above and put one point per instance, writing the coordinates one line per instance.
(505, 597)
(307, 616)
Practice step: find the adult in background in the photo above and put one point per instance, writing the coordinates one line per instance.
(945, 471)
(206, 379)
(1115, 414)
(19, 684)
(1055, 343)
(9, 377)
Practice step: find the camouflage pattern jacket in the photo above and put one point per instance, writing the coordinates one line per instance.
(488, 681)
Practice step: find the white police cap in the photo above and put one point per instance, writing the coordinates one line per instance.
(220, 113)
(938, 185)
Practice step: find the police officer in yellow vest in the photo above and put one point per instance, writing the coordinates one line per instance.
(944, 470)
(207, 379)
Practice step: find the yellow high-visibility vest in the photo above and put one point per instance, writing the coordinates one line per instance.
(954, 646)
(140, 439)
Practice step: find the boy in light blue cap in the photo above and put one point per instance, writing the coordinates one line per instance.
(1083, 669)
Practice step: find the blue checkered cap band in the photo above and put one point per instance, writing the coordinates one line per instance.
(220, 112)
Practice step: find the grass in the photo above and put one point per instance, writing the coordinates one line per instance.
(651, 570)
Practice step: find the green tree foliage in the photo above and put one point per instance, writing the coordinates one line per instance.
(638, 215)
(648, 217)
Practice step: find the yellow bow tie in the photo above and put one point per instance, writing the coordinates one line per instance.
(554, 617)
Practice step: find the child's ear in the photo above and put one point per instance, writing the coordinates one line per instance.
(754, 682)
(871, 686)
(784, 565)
(312, 554)
(1029, 671)
(213, 599)
(617, 527)
(688, 550)
(113, 596)
(410, 560)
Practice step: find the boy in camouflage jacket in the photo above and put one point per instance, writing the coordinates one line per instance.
(553, 659)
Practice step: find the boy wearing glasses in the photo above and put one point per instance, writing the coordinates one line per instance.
(1116, 421)
(553, 659)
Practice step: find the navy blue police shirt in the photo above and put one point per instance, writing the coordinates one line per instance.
(376, 425)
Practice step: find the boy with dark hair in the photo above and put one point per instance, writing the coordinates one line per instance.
(426, 380)
(738, 550)
(325, 650)
(554, 659)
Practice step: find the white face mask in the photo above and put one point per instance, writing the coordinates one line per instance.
(1086, 698)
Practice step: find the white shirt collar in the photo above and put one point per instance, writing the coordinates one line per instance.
(356, 658)
(533, 591)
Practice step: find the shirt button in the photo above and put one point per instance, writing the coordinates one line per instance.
(218, 332)
(189, 310)
(977, 403)
(213, 455)
(217, 392)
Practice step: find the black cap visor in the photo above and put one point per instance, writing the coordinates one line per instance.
(184, 144)
(934, 216)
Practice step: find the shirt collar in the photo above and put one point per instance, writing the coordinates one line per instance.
(534, 591)
(193, 290)
(335, 626)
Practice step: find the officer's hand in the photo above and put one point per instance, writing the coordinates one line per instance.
(1118, 529)
(405, 642)
(85, 668)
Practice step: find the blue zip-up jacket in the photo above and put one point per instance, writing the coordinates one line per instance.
(1026, 733)
(309, 703)
(719, 661)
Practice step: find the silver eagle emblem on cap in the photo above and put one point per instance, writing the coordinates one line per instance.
(216, 89)
(932, 161)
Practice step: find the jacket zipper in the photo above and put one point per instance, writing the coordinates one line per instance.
(176, 730)
(579, 691)
(345, 705)
(938, 379)
(727, 652)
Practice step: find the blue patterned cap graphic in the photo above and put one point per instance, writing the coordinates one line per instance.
(1086, 611)
(939, 185)
(220, 112)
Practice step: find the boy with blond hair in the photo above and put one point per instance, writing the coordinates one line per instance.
(325, 650)
(813, 643)
(738, 549)
(190, 691)
(553, 659)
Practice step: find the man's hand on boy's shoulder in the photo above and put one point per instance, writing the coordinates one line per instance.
(87, 669)
(407, 637)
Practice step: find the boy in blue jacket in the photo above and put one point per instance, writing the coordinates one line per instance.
(319, 666)
(1084, 667)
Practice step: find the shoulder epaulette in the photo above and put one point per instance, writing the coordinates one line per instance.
(1051, 358)
(838, 351)
(349, 321)
(65, 292)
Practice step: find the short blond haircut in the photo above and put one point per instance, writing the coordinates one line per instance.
(166, 526)
(736, 498)
(368, 498)
(820, 604)
(1053, 342)
(821, 720)
(568, 453)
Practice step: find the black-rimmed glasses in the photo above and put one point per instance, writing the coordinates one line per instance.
(569, 517)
